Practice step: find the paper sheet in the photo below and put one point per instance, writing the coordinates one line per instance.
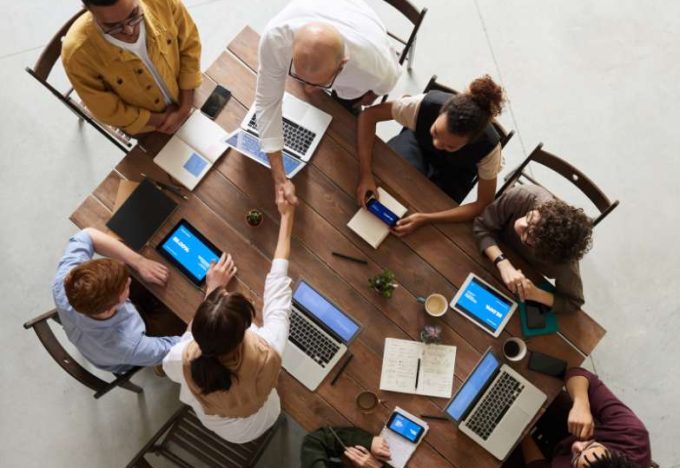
(400, 365)
(369, 227)
(401, 449)
(204, 136)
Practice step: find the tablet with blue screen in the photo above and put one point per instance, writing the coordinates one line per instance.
(189, 251)
(481, 303)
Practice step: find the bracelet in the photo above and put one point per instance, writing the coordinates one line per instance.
(499, 259)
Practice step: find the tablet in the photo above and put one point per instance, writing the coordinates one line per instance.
(189, 251)
(479, 302)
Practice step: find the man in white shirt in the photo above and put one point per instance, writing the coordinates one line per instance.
(340, 45)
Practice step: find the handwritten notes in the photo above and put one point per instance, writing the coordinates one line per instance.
(400, 367)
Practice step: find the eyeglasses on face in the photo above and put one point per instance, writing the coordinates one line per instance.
(130, 22)
(325, 87)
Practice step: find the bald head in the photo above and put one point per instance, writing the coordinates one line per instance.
(318, 52)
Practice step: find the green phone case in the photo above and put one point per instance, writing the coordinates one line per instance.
(551, 325)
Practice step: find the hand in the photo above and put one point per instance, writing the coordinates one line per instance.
(380, 449)
(220, 273)
(360, 456)
(284, 206)
(173, 120)
(366, 187)
(512, 277)
(409, 224)
(529, 290)
(288, 191)
(152, 272)
(580, 421)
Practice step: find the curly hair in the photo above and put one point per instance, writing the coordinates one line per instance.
(562, 233)
(612, 460)
(469, 113)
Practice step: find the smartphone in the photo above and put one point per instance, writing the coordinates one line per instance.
(547, 365)
(216, 101)
(535, 315)
(383, 213)
(404, 427)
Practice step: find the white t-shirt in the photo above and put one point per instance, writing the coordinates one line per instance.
(278, 303)
(139, 49)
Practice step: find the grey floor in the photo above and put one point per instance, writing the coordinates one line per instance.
(597, 82)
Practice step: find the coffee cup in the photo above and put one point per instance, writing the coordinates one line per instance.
(514, 349)
(367, 401)
(436, 304)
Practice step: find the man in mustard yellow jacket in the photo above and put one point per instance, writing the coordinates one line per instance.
(135, 63)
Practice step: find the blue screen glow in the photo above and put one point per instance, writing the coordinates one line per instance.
(190, 252)
(484, 305)
(473, 386)
(405, 427)
(326, 312)
(195, 164)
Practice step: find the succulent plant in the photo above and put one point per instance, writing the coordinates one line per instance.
(383, 283)
(254, 217)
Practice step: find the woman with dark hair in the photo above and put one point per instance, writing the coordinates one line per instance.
(227, 366)
(449, 138)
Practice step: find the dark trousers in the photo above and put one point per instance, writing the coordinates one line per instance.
(159, 320)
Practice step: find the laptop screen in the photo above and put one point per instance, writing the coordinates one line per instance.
(484, 305)
(325, 312)
(475, 384)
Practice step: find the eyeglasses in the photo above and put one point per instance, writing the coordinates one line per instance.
(588, 446)
(120, 27)
(527, 236)
(325, 87)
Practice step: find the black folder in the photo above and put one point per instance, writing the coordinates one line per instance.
(141, 215)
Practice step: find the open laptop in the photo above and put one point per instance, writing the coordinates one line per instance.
(319, 335)
(495, 405)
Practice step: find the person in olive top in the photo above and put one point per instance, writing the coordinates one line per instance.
(549, 234)
(134, 63)
(447, 137)
(321, 449)
(598, 432)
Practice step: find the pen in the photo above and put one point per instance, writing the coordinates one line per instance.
(162, 186)
(431, 416)
(342, 444)
(417, 373)
(342, 368)
(352, 259)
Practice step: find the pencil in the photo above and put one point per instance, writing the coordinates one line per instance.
(352, 259)
(431, 416)
(342, 368)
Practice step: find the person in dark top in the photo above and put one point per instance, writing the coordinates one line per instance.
(449, 138)
(601, 431)
(321, 449)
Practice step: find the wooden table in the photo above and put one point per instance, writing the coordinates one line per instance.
(433, 259)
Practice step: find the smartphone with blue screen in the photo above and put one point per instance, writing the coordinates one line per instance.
(405, 427)
(382, 212)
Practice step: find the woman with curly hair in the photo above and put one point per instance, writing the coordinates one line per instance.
(551, 235)
(449, 138)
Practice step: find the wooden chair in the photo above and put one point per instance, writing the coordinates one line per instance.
(46, 336)
(415, 16)
(188, 442)
(433, 84)
(569, 172)
(41, 71)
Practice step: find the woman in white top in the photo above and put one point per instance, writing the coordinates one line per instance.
(228, 367)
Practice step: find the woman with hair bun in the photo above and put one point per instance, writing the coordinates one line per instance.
(228, 367)
(447, 137)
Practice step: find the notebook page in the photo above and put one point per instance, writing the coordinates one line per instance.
(204, 136)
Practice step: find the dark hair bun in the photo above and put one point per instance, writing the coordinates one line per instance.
(487, 95)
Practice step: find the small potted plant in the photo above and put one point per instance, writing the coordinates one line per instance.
(383, 283)
(431, 334)
(254, 217)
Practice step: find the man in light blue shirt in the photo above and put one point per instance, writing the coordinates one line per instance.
(92, 299)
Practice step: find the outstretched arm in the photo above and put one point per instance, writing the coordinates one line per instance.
(365, 140)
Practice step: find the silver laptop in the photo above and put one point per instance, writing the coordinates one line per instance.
(495, 405)
(303, 126)
(319, 335)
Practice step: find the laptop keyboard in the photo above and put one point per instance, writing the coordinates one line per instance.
(309, 339)
(496, 403)
(295, 137)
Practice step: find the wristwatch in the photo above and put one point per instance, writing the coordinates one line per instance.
(499, 259)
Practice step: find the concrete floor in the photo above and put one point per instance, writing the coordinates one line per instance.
(595, 81)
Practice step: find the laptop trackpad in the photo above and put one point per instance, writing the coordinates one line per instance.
(513, 423)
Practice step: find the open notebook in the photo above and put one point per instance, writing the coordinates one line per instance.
(193, 150)
(400, 368)
(369, 227)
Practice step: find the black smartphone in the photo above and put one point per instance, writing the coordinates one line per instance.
(535, 315)
(382, 212)
(405, 427)
(216, 101)
(547, 365)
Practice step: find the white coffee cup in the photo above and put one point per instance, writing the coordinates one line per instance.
(436, 304)
(514, 349)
